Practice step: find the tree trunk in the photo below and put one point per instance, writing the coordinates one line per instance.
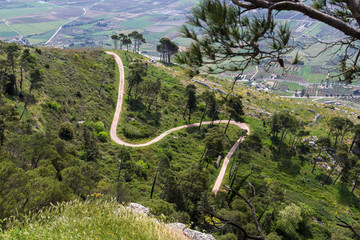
(266, 208)
(232, 163)
(101, 85)
(281, 142)
(156, 102)
(153, 185)
(185, 111)
(338, 177)
(336, 139)
(353, 142)
(316, 160)
(342, 137)
(25, 105)
(21, 78)
(356, 182)
(202, 117)
(227, 125)
(118, 178)
(328, 176)
(151, 102)
(130, 88)
(164, 187)
(189, 115)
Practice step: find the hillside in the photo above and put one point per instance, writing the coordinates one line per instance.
(60, 149)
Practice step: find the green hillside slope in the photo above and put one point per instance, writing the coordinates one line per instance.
(57, 148)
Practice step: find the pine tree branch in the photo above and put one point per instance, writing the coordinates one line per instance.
(233, 224)
(309, 11)
(250, 203)
(347, 225)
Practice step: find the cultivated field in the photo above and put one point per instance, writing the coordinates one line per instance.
(90, 23)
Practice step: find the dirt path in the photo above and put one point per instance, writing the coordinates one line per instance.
(116, 139)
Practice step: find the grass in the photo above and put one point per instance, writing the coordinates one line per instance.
(139, 22)
(90, 220)
(8, 13)
(38, 28)
(5, 31)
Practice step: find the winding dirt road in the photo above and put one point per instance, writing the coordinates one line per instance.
(116, 139)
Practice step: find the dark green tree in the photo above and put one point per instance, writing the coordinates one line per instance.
(284, 123)
(126, 41)
(138, 39)
(323, 143)
(162, 166)
(136, 76)
(66, 131)
(356, 131)
(121, 38)
(116, 39)
(339, 126)
(355, 174)
(214, 144)
(166, 48)
(340, 157)
(27, 62)
(90, 145)
(36, 79)
(12, 50)
(191, 100)
(210, 103)
(234, 108)
(153, 88)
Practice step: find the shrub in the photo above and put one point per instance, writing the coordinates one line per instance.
(133, 132)
(66, 131)
(103, 136)
(53, 105)
(99, 127)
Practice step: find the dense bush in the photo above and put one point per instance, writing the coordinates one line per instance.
(103, 136)
(66, 131)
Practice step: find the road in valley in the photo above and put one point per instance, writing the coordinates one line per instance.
(71, 20)
(117, 115)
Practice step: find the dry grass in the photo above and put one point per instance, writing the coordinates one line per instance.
(90, 220)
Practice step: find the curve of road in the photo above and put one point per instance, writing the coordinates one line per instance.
(116, 139)
(71, 20)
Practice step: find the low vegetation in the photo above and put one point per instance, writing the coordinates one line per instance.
(91, 219)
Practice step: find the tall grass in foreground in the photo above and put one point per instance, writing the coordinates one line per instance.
(89, 220)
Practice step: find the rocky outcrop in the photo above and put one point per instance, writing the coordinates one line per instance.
(138, 208)
(192, 234)
(317, 117)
